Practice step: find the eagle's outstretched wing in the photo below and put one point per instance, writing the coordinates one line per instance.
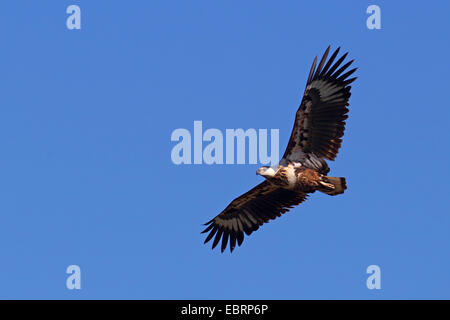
(249, 211)
(320, 119)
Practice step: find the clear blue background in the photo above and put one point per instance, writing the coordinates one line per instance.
(86, 174)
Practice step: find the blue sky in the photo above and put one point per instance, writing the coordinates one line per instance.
(87, 179)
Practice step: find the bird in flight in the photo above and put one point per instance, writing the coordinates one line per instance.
(318, 128)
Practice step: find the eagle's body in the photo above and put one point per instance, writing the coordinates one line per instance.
(299, 178)
(316, 136)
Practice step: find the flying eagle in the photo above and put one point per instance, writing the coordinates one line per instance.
(318, 128)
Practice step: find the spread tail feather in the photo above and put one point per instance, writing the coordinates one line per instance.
(332, 185)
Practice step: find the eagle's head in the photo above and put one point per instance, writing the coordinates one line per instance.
(266, 172)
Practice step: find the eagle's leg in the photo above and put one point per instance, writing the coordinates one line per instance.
(332, 185)
(328, 186)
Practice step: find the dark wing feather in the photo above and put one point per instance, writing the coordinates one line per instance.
(320, 119)
(248, 212)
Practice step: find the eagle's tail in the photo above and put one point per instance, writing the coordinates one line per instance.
(332, 185)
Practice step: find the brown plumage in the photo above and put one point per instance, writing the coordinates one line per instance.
(249, 211)
(320, 119)
(316, 136)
